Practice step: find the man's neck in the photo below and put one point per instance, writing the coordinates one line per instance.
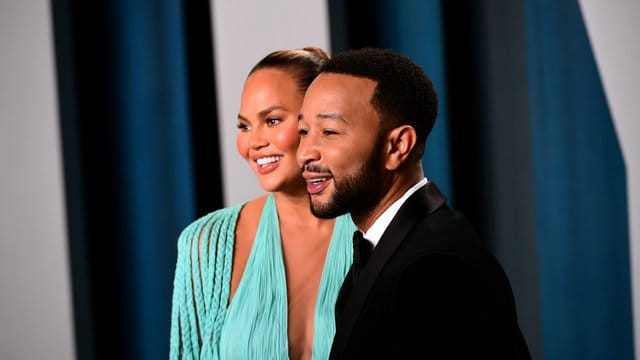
(399, 185)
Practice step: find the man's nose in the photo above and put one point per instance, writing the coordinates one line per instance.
(307, 153)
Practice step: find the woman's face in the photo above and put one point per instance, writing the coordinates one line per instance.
(268, 129)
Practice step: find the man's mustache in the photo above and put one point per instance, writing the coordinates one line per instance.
(314, 169)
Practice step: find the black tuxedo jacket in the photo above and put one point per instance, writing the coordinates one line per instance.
(429, 290)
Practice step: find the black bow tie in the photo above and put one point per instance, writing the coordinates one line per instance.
(361, 251)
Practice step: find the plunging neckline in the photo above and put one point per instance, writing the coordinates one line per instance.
(261, 300)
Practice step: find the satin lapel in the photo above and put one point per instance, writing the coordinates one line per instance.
(343, 294)
(422, 203)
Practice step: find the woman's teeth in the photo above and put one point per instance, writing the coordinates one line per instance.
(268, 160)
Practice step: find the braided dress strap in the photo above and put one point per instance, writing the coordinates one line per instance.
(202, 284)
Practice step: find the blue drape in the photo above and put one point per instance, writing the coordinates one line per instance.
(581, 208)
(154, 153)
(415, 29)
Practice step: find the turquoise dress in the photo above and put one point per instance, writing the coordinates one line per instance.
(254, 325)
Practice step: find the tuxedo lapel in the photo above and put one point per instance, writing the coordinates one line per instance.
(422, 203)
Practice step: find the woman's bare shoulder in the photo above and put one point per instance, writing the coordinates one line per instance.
(250, 214)
(248, 221)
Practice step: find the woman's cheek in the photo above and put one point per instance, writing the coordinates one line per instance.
(242, 145)
(288, 139)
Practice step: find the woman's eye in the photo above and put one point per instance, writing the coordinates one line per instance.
(242, 127)
(273, 121)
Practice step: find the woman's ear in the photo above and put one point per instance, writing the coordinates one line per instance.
(400, 143)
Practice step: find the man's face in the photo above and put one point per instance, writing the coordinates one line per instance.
(340, 149)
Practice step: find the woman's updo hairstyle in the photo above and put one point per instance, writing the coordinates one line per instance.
(304, 63)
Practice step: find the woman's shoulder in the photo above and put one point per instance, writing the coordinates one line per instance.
(229, 218)
(221, 222)
(252, 209)
(249, 218)
(216, 216)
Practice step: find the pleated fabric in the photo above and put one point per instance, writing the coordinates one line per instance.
(202, 284)
(254, 326)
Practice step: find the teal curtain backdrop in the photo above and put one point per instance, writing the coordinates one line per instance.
(155, 161)
(126, 123)
(580, 192)
(415, 29)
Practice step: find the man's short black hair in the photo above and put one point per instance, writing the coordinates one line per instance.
(404, 95)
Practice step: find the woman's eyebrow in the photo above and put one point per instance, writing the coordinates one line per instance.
(264, 112)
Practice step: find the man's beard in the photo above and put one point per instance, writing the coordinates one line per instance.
(356, 193)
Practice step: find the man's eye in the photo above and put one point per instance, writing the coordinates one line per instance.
(328, 132)
(303, 132)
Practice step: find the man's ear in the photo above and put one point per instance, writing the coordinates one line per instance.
(400, 143)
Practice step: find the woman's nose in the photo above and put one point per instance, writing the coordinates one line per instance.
(257, 139)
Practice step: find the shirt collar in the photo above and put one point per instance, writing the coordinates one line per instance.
(382, 222)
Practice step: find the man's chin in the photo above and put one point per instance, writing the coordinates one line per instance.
(326, 211)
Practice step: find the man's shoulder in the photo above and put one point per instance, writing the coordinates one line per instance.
(445, 232)
(443, 248)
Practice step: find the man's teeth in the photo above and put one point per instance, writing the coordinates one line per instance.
(317, 181)
(268, 160)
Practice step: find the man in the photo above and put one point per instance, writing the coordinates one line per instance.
(421, 286)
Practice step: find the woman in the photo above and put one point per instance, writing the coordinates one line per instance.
(260, 280)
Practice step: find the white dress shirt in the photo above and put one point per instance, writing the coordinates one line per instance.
(379, 226)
